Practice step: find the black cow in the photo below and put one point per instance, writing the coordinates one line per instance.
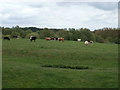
(15, 36)
(52, 38)
(6, 38)
(32, 38)
(56, 38)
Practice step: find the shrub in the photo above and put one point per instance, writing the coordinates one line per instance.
(99, 39)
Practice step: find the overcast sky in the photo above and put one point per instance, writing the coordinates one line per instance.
(59, 14)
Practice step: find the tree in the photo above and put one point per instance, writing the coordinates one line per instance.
(86, 34)
(99, 39)
(23, 33)
(32, 34)
(46, 33)
(63, 33)
(28, 31)
(15, 34)
(6, 31)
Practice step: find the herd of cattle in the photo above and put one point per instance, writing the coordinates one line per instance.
(33, 38)
(53, 38)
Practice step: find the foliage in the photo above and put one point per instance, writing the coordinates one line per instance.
(108, 34)
(15, 34)
(6, 36)
(32, 34)
(101, 35)
(46, 33)
(99, 39)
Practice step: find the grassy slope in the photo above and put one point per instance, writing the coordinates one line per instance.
(22, 61)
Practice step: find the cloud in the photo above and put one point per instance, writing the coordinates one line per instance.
(105, 5)
(59, 14)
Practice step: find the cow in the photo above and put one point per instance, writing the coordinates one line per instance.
(47, 38)
(91, 42)
(15, 36)
(61, 39)
(88, 42)
(6, 38)
(52, 38)
(55, 38)
(32, 38)
(78, 40)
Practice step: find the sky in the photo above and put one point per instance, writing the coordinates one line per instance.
(59, 13)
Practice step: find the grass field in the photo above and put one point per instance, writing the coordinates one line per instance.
(23, 61)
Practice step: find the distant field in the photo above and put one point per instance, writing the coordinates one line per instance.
(23, 61)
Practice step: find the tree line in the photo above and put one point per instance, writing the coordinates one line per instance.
(104, 35)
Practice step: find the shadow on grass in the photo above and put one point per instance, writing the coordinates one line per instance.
(66, 67)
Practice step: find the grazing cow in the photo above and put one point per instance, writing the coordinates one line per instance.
(15, 36)
(88, 42)
(52, 38)
(78, 40)
(6, 38)
(91, 42)
(61, 39)
(32, 38)
(56, 38)
(47, 38)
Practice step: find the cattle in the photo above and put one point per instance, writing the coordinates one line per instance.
(15, 36)
(52, 38)
(88, 42)
(78, 40)
(61, 39)
(47, 38)
(91, 42)
(55, 38)
(32, 38)
(6, 38)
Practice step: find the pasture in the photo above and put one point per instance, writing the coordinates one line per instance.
(23, 60)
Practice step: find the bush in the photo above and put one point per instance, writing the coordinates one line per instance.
(99, 39)
(15, 34)
(6, 36)
(117, 40)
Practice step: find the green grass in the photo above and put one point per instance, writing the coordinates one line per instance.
(23, 61)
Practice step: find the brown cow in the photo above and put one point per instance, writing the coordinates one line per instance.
(47, 38)
(61, 39)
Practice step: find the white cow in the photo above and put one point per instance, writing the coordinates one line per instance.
(91, 42)
(31, 37)
(78, 40)
(86, 42)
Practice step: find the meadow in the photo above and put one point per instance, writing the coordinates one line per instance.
(23, 63)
